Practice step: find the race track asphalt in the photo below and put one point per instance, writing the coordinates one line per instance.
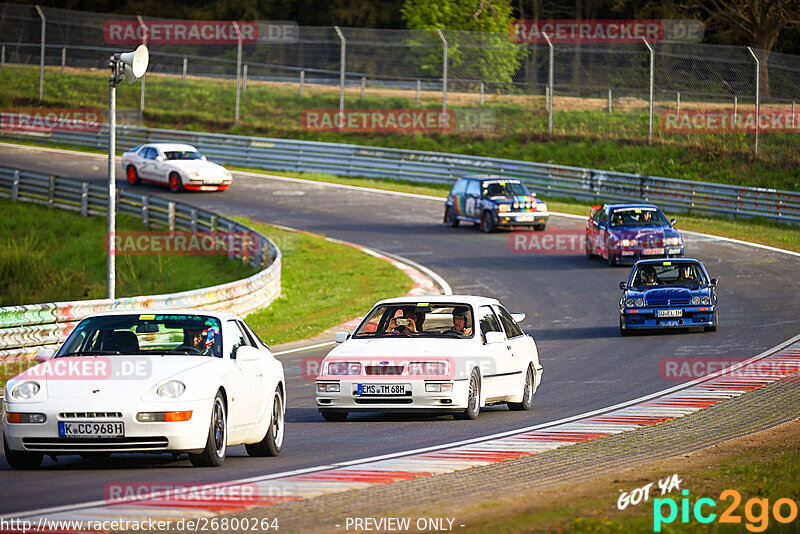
(570, 302)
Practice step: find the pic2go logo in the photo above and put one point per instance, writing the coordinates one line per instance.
(756, 511)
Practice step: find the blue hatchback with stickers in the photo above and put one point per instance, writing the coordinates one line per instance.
(493, 202)
(674, 293)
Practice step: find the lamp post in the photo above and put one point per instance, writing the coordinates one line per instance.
(132, 65)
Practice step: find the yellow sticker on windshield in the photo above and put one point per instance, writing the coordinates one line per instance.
(503, 184)
(667, 263)
(147, 317)
(637, 211)
(423, 304)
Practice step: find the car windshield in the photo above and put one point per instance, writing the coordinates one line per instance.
(637, 217)
(422, 319)
(500, 188)
(145, 334)
(183, 154)
(669, 273)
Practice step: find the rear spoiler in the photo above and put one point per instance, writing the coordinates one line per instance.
(594, 209)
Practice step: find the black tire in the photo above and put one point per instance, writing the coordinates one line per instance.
(612, 261)
(473, 399)
(333, 416)
(272, 444)
(487, 223)
(217, 443)
(22, 459)
(450, 218)
(539, 227)
(133, 176)
(527, 394)
(175, 183)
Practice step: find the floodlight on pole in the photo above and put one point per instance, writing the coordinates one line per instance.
(131, 65)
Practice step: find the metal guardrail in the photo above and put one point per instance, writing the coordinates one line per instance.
(438, 167)
(24, 330)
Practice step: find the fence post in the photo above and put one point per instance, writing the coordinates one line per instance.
(63, 59)
(363, 86)
(302, 81)
(51, 191)
(342, 66)
(758, 93)
(41, 53)
(609, 100)
(146, 211)
(652, 74)
(444, 71)
(419, 92)
(735, 107)
(3, 56)
(244, 79)
(678, 102)
(549, 87)
(15, 186)
(193, 221)
(141, 87)
(185, 68)
(238, 70)
(482, 89)
(85, 199)
(171, 216)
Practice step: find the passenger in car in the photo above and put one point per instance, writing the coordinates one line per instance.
(405, 323)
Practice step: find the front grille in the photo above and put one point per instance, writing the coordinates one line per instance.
(384, 369)
(366, 400)
(90, 415)
(95, 444)
(668, 302)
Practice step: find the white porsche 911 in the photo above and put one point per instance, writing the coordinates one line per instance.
(177, 165)
(148, 382)
(449, 354)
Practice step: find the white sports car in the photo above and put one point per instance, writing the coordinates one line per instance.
(449, 354)
(187, 381)
(177, 165)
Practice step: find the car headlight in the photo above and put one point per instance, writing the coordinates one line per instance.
(503, 208)
(706, 300)
(515, 205)
(630, 303)
(438, 388)
(695, 301)
(171, 390)
(25, 391)
(327, 388)
(639, 302)
(628, 242)
(673, 241)
(344, 368)
(427, 368)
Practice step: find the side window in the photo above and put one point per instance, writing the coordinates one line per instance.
(460, 188)
(251, 337)
(238, 338)
(488, 321)
(509, 324)
(473, 188)
(600, 216)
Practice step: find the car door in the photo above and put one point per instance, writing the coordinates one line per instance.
(520, 350)
(246, 377)
(457, 196)
(472, 200)
(597, 230)
(147, 168)
(497, 363)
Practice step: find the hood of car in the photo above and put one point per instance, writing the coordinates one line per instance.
(668, 295)
(399, 348)
(196, 165)
(125, 377)
(643, 232)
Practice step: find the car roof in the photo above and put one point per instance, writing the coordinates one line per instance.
(472, 300)
(186, 311)
(635, 205)
(164, 147)
(660, 261)
(490, 177)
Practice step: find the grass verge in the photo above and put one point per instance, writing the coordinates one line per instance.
(765, 465)
(593, 138)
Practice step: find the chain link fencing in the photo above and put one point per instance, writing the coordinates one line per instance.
(257, 73)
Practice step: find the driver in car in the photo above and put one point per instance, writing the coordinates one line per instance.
(461, 322)
(195, 338)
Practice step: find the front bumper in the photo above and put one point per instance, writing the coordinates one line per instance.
(633, 318)
(184, 436)
(348, 400)
(633, 255)
(529, 219)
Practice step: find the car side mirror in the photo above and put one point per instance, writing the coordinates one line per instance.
(247, 354)
(159, 158)
(204, 158)
(714, 281)
(673, 222)
(623, 285)
(45, 355)
(495, 337)
(341, 337)
(518, 316)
